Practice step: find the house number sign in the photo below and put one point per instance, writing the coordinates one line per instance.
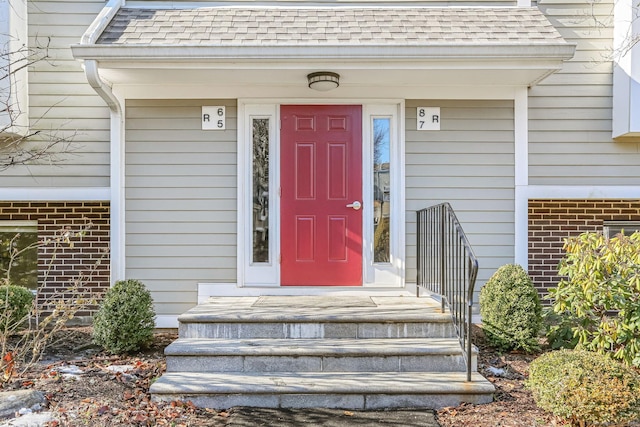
(428, 118)
(214, 118)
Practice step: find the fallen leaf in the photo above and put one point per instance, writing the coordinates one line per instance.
(140, 418)
(8, 363)
(103, 410)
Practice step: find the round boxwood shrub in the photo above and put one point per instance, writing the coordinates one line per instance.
(125, 319)
(511, 310)
(15, 304)
(585, 388)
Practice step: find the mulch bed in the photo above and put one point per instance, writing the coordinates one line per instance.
(82, 389)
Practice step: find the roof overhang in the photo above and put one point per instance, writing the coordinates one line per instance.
(467, 62)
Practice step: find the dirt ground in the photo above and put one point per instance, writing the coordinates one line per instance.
(513, 404)
(84, 387)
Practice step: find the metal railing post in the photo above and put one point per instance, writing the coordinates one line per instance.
(443, 275)
(419, 253)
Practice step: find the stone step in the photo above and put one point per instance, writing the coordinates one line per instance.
(319, 355)
(317, 329)
(348, 390)
(287, 317)
(316, 317)
(315, 309)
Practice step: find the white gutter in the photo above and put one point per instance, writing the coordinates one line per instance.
(103, 89)
(558, 51)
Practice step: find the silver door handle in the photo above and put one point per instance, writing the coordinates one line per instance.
(355, 205)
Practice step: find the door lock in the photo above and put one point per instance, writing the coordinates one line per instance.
(355, 205)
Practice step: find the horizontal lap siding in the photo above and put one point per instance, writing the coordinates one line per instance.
(570, 112)
(470, 164)
(62, 103)
(180, 200)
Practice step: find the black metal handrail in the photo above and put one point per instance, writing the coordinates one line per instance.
(447, 266)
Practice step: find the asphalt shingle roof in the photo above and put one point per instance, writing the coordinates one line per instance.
(387, 26)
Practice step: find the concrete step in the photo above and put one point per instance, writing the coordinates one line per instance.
(385, 317)
(348, 390)
(316, 355)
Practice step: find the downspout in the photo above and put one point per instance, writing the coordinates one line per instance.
(103, 89)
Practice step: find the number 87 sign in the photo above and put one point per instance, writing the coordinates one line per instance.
(428, 118)
(213, 118)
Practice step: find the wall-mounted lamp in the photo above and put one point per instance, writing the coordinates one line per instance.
(323, 80)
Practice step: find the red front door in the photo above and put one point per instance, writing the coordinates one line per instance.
(320, 174)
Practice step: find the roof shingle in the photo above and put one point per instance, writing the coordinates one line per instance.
(356, 26)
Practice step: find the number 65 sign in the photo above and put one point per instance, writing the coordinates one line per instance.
(213, 118)
(428, 118)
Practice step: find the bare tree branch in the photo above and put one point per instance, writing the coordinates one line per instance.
(19, 144)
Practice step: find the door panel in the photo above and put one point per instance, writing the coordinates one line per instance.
(321, 173)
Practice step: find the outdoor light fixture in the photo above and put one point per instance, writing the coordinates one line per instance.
(323, 80)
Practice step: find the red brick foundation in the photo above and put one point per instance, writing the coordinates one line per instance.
(86, 260)
(551, 221)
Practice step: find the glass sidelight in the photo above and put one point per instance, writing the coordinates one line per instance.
(381, 189)
(260, 190)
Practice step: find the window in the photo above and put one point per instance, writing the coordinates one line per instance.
(19, 253)
(258, 208)
(383, 195)
(260, 189)
(381, 189)
(612, 228)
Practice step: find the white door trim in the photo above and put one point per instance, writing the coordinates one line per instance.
(268, 274)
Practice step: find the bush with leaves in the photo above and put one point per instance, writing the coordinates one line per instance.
(585, 388)
(511, 310)
(125, 319)
(599, 298)
(15, 304)
(559, 329)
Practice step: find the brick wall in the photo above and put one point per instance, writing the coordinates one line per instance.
(551, 221)
(87, 259)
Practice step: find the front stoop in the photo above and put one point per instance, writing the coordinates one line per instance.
(302, 352)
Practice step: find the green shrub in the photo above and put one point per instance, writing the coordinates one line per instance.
(585, 388)
(15, 305)
(511, 310)
(125, 319)
(599, 298)
(559, 330)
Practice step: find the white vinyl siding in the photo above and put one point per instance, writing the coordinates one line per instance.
(180, 200)
(61, 101)
(470, 164)
(570, 111)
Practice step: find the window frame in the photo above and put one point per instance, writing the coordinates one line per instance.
(615, 226)
(18, 226)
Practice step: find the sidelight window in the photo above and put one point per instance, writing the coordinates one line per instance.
(260, 189)
(381, 189)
